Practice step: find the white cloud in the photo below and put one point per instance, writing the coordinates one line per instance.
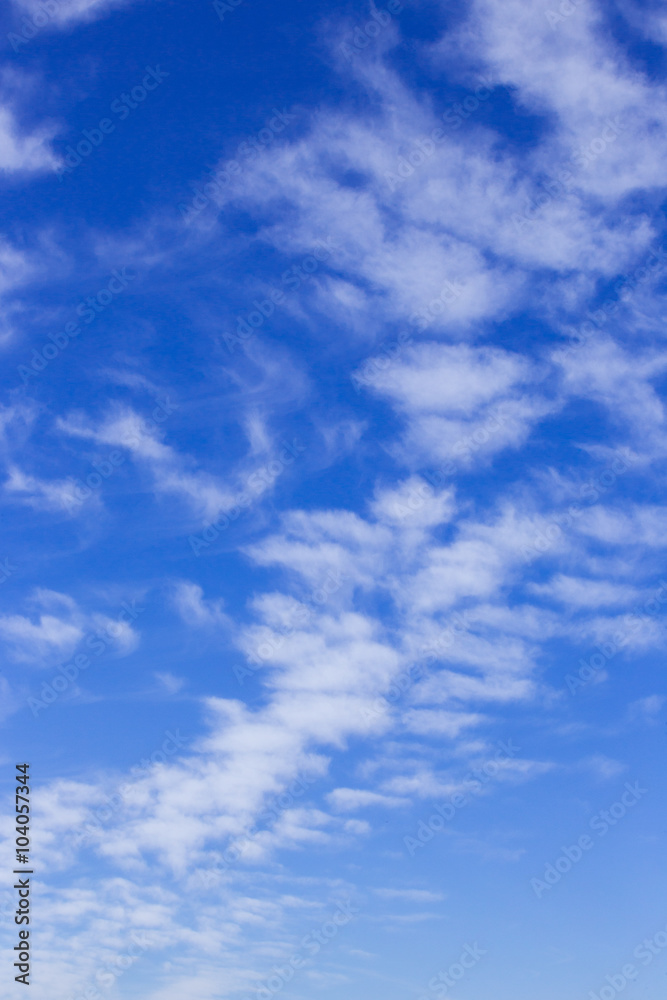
(651, 22)
(646, 709)
(448, 685)
(188, 599)
(69, 12)
(431, 722)
(460, 402)
(53, 494)
(443, 251)
(24, 153)
(410, 895)
(51, 635)
(575, 73)
(36, 641)
(170, 683)
(314, 544)
(172, 474)
(415, 503)
(452, 380)
(622, 633)
(56, 628)
(603, 767)
(633, 525)
(351, 799)
(207, 495)
(16, 267)
(445, 227)
(620, 380)
(586, 593)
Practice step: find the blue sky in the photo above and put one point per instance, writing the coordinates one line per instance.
(333, 583)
